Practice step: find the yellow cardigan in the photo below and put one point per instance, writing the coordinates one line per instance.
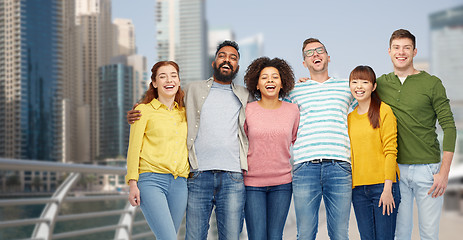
(157, 142)
(373, 151)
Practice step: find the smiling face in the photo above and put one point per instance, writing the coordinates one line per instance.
(402, 53)
(269, 83)
(361, 89)
(318, 62)
(167, 81)
(226, 64)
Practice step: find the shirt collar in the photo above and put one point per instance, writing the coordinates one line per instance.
(156, 104)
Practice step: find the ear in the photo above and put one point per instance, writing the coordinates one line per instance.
(329, 59)
(305, 64)
(374, 87)
(415, 51)
(155, 85)
(213, 63)
(237, 68)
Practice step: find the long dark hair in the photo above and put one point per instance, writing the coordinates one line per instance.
(367, 73)
(153, 92)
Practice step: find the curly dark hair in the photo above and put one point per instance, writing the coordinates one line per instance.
(251, 78)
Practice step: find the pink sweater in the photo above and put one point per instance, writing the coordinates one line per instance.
(271, 133)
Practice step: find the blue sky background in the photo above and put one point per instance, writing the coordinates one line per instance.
(355, 32)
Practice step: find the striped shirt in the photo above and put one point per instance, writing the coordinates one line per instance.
(322, 129)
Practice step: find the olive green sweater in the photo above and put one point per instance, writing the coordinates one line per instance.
(417, 104)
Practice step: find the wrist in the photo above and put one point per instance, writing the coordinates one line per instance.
(387, 186)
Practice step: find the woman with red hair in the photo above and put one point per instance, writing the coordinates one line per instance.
(157, 158)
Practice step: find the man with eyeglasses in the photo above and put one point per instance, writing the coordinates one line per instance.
(418, 100)
(322, 150)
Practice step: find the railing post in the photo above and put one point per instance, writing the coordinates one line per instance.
(126, 220)
(44, 230)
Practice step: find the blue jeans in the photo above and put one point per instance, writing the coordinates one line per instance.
(415, 182)
(371, 222)
(163, 201)
(223, 189)
(266, 210)
(333, 182)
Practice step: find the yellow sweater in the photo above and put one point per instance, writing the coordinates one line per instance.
(157, 142)
(373, 151)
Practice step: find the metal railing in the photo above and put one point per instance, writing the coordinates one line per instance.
(45, 224)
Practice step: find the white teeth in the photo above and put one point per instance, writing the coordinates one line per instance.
(270, 87)
(317, 61)
(168, 87)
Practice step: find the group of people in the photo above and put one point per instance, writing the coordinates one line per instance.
(223, 146)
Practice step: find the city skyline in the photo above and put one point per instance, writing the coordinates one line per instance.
(353, 32)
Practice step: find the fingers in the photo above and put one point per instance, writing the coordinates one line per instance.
(438, 192)
(433, 188)
(133, 115)
(384, 208)
(134, 200)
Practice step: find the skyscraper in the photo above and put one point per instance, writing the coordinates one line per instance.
(447, 63)
(182, 36)
(124, 34)
(30, 79)
(115, 91)
(93, 17)
(140, 77)
(447, 49)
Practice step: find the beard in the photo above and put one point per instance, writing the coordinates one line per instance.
(226, 78)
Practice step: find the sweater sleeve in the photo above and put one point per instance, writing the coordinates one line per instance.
(389, 140)
(441, 105)
(137, 131)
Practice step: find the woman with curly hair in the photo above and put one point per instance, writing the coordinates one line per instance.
(271, 126)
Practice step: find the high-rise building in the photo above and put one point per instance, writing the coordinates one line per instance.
(124, 33)
(447, 63)
(122, 83)
(93, 17)
(182, 36)
(115, 91)
(30, 79)
(447, 49)
(140, 77)
(72, 86)
(250, 48)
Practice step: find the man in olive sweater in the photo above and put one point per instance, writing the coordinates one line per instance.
(418, 100)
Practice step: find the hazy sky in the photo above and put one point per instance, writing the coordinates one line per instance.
(354, 32)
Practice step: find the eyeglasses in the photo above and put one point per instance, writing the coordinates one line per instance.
(311, 52)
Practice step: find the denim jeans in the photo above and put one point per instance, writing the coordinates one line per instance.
(266, 210)
(333, 182)
(415, 182)
(371, 222)
(223, 189)
(163, 201)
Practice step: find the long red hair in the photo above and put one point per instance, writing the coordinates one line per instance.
(367, 73)
(152, 92)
